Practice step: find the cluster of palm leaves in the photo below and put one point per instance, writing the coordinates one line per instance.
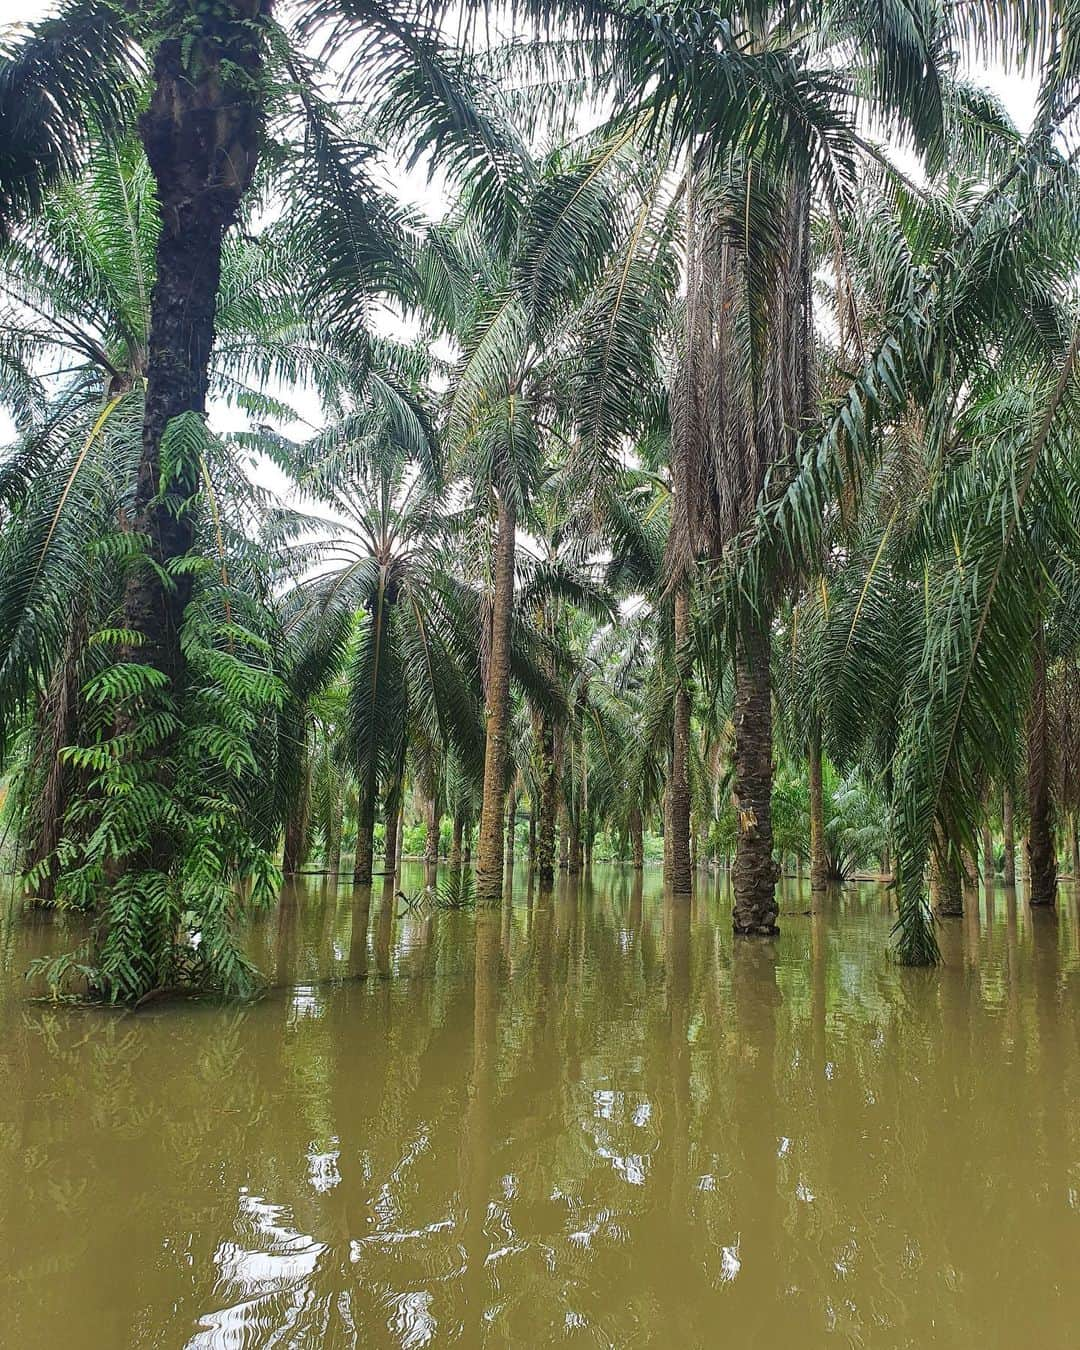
(722, 487)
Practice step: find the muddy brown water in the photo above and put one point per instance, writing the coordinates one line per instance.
(590, 1119)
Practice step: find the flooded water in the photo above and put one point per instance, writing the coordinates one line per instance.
(586, 1120)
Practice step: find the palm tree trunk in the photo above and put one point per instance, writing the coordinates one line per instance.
(365, 837)
(432, 822)
(511, 827)
(677, 863)
(637, 840)
(947, 883)
(57, 724)
(1075, 848)
(755, 872)
(548, 805)
(392, 816)
(575, 859)
(532, 834)
(296, 825)
(987, 856)
(1042, 848)
(819, 866)
(1008, 830)
(455, 839)
(489, 862)
(202, 133)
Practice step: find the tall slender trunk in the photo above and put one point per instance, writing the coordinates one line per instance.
(456, 837)
(333, 830)
(637, 839)
(678, 865)
(574, 861)
(392, 817)
(532, 833)
(755, 873)
(489, 861)
(297, 823)
(988, 868)
(511, 827)
(1008, 830)
(1041, 843)
(432, 821)
(1075, 848)
(548, 804)
(365, 836)
(819, 866)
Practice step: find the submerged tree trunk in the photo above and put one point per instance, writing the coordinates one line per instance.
(432, 822)
(511, 827)
(548, 804)
(947, 882)
(988, 868)
(489, 862)
(574, 860)
(1008, 830)
(455, 839)
(202, 133)
(755, 873)
(1041, 844)
(637, 839)
(678, 869)
(1075, 848)
(297, 823)
(392, 818)
(365, 835)
(819, 863)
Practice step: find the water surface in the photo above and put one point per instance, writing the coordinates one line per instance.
(590, 1119)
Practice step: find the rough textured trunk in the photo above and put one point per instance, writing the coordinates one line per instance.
(988, 868)
(532, 834)
(432, 822)
(755, 872)
(202, 133)
(548, 805)
(637, 839)
(455, 839)
(58, 716)
(574, 861)
(819, 865)
(489, 861)
(333, 843)
(1041, 843)
(392, 817)
(947, 883)
(511, 828)
(365, 838)
(1008, 830)
(1075, 848)
(296, 826)
(678, 866)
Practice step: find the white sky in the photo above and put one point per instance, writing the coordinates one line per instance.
(1016, 92)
